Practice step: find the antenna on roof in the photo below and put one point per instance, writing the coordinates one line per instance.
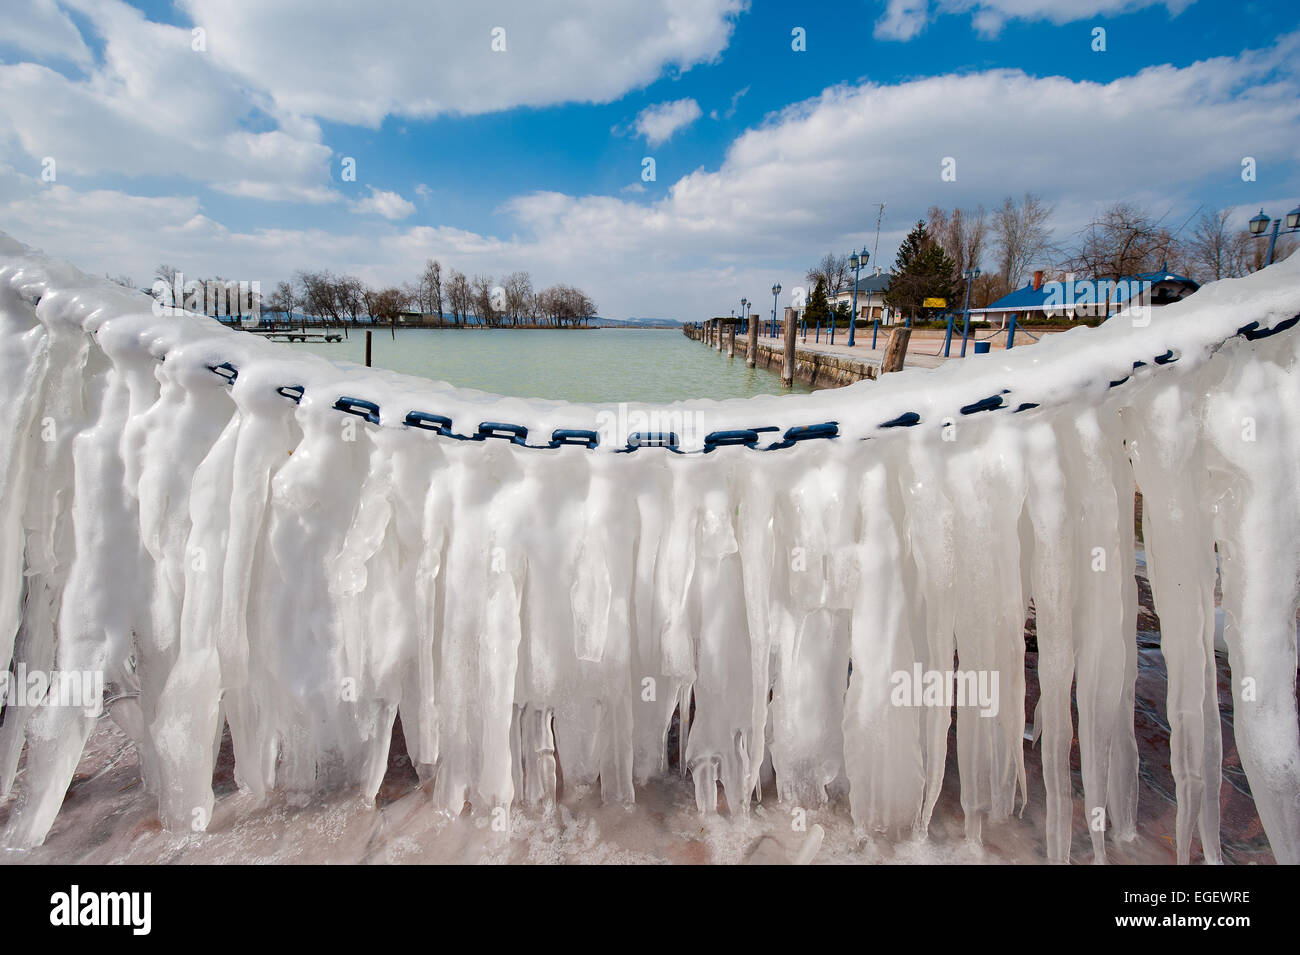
(876, 247)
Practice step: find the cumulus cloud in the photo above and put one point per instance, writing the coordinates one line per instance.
(242, 113)
(658, 123)
(156, 107)
(390, 205)
(418, 59)
(804, 181)
(39, 28)
(906, 19)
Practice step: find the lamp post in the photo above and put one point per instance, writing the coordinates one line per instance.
(1260, 223)
(970, 275)
(743, 303)
(776, 290)
(858, 261)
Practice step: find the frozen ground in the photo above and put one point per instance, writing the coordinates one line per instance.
(108, 818)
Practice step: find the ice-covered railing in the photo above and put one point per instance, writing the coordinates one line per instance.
(189, 511)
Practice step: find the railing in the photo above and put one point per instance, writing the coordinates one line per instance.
(563, 605)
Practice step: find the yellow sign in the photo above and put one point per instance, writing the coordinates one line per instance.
(935, 303)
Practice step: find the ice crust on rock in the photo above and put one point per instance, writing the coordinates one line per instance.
(228, 557)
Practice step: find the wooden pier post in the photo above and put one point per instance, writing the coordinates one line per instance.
(717, 335)
(751, 343)
(731, 340)
(787, 362)
(367, 348)
(896, 350)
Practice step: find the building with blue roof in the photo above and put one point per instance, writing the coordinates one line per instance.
(1086, 298)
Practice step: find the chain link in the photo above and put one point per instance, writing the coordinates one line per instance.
(517, 434)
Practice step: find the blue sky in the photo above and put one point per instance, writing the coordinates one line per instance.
(227, 159)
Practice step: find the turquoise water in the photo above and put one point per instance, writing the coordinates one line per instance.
(596, 365)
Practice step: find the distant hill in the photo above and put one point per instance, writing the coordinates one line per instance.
(636, 322)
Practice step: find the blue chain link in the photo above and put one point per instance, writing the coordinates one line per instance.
(517, 434)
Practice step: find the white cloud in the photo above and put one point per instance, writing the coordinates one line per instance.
(805, 181)
(155, 107)
(350, 63)
(241, 114)
(39, 28)
(906, 19)
(659, 122)
(902, 19)
(390, 205)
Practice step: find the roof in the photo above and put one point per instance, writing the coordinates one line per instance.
(868, 285)
(1058, 295)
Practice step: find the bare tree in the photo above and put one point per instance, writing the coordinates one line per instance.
(519, 290)
(1020, 235)
(962, 235)
(430, 289)
(1216, 251)
(348, 292)
(283, 300)
(320, 295)
(834, 270)
(483, 305)
(460, 297)
(1258, 254)
(1123, 240)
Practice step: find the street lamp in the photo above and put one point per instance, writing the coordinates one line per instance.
(970, 275)
(776, 290)
(1260, 223)
(858, 260)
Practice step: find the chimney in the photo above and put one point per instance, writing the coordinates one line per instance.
(1038, 280)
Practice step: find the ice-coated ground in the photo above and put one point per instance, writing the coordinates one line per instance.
(279, 581)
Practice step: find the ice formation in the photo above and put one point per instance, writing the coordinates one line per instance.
(228, 556)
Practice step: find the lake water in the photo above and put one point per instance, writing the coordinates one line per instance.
(591, 366)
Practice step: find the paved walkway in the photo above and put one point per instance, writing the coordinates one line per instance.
(924, 348)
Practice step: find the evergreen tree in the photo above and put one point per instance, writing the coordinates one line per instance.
(817, 310)
(922, 269)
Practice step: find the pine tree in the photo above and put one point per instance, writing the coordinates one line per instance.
(817, 310)
(922, 269)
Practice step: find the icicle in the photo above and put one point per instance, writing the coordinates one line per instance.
(207, 530)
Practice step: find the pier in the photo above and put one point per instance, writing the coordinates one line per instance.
(818, 364)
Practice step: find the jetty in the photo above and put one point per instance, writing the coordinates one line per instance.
(291, 335)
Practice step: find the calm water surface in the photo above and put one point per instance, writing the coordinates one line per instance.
(597, 365)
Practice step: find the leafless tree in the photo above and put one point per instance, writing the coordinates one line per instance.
(1258, 254)
(834, 269)
(962, 236)
(1216, 251)
(430, 289)
(460, 297)
(1020, 235)
(519, 290)
(283, 300)
(320, 295)
(348, 291)
(483, 305)
(1123, 240)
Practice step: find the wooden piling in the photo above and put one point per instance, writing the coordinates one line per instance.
(717, 335)
(731, 340)
(751, 343)
(367, 348)
(896, 350)
(787, 361)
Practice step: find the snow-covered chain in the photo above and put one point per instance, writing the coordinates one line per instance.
(227, 557)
